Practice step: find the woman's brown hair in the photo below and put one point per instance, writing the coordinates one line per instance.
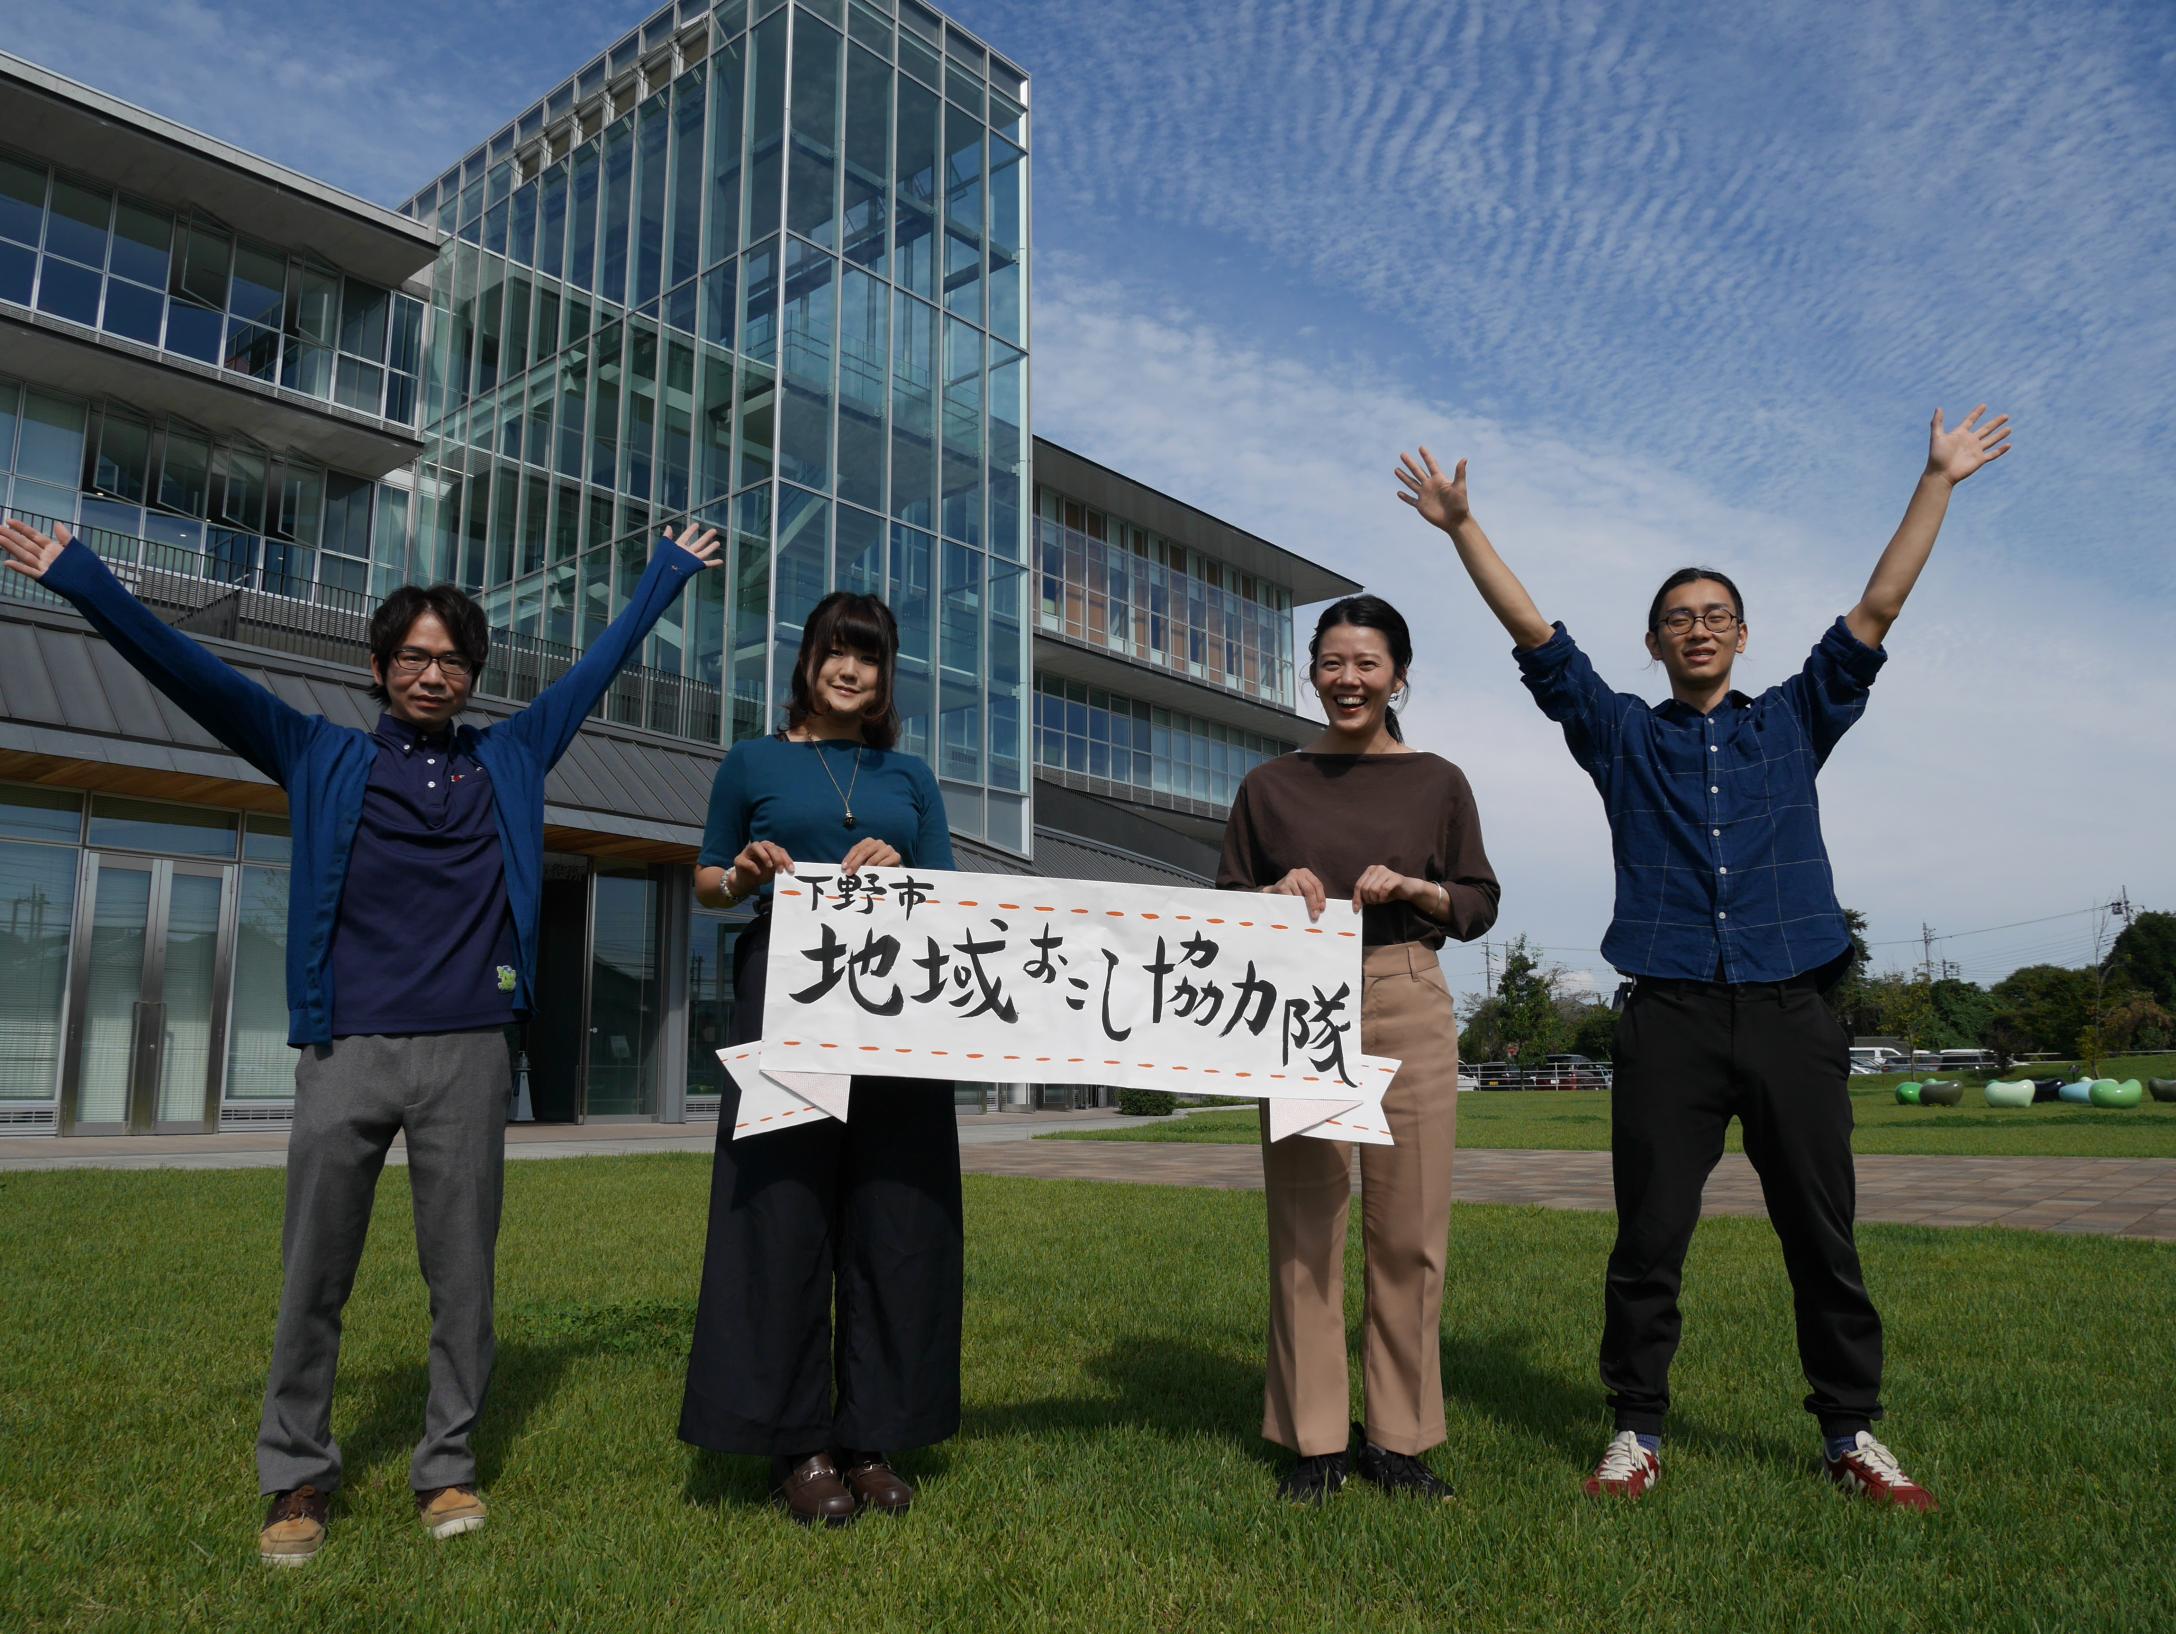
(846, 622)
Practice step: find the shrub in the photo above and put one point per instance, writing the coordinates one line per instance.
(1147, 1103)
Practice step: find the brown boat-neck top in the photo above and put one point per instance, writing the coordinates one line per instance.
(1339, 814)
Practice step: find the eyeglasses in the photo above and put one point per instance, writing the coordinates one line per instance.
(414, 661)
(1679, 621)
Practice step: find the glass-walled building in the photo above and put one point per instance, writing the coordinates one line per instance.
(765, 264)
(1164, 662)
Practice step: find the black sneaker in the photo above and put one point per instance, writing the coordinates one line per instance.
(1315, 1479)
(1401, 1473)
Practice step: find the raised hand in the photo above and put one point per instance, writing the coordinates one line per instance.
(1439, 498)
(1955, 455)
(30, 552)
(703, 546)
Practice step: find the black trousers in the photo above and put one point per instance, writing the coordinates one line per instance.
(1689, 1056)
(831, 1297)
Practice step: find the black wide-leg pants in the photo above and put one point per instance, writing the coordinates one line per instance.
(831, 1295)
(1689, 1056)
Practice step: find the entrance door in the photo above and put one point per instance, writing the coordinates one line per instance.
(147, 1030)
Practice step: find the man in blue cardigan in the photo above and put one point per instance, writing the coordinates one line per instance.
(411, 944)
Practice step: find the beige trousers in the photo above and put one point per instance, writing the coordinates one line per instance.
(1405, 1013)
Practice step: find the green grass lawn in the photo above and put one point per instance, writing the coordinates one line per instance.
(1109, 1475)
(1578, 1120)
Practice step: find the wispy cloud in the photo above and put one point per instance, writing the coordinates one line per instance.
(1734, 238)
(377, 96)
(1683, 281)
(2010, 764)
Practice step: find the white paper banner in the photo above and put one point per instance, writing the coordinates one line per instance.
(990, 978)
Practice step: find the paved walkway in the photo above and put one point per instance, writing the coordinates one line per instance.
(2117, 1197)
(2120, 1197)
(267, 1148)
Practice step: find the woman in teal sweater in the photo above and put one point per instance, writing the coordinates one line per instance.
(864, 1215)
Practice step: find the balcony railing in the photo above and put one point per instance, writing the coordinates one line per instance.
(263, 608)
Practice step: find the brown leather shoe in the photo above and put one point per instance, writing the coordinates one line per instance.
(448, 1511)
(877, 1484)
(294, 1527)
(811, 1490)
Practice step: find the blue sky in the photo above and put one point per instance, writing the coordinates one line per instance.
(1683, 281)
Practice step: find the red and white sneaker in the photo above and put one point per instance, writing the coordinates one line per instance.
(1870, 1469)
(1627, 1469)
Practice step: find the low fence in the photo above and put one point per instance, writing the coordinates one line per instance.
(1505, 1075)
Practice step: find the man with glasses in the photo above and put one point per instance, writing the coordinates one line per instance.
(1727, 921)
(411, 945)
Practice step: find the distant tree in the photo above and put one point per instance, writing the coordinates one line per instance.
(1962, 1011)
(1595, 1035)
(1482, 1037)
(2144, 958)
(1907, 1010)
(2136, 1022)
(1526, 992)
(1849, 997)
(2038, 1007)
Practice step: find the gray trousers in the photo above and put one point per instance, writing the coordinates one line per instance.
(449, 1093)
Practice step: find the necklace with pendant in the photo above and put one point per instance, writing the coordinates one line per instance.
(846, 795)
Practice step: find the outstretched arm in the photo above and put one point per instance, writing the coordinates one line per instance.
(265, 731)
(1442, 500)
(552, 721)
(1951, 457)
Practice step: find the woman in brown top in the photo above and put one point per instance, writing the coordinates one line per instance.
(1360, 815)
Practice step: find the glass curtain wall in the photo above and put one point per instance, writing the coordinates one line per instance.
(771, 271)
(1113, 585)
(95, 256)
(162, 492)
(1128, 744)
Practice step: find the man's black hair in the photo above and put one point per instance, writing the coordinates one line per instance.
(397, 614)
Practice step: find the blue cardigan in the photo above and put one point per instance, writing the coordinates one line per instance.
(324, 768)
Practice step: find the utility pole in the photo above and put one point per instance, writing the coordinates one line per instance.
(1488, 966)
(2120, 908)
(1926, 940)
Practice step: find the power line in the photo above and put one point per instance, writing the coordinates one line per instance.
(2015, 924)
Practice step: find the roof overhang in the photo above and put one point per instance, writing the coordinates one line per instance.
(53, 352)
(1120, 495)
(93, 134)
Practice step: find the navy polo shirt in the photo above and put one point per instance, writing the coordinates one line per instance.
(1713, 819)
(424, 940)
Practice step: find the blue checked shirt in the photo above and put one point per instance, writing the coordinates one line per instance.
(1713, 821)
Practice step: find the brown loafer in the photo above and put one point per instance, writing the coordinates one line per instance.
(449, 1511)
(294, 1527)
(811, 1490)
(877, 1484)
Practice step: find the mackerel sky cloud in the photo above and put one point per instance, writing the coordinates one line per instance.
(1683, 282)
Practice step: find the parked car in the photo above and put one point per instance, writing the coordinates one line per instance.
(1496, 1075)
(1876, 1058)
(1970, 1061)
